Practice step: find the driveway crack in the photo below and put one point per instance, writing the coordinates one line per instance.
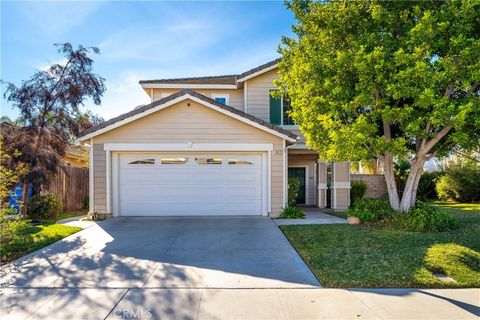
(146, 280)
(199, 303)
(116, 304)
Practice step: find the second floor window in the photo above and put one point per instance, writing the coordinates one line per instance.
(280, 111)
(221, 98)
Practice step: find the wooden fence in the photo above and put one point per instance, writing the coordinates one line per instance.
(70, 184)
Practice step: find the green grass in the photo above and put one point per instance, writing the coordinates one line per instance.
(71, 214)
(34, 238)
(372, 257)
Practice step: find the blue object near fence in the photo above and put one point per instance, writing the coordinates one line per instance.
(16, 196)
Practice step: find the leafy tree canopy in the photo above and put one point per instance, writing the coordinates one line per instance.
(383, 79)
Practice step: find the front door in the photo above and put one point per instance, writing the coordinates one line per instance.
(300, 174)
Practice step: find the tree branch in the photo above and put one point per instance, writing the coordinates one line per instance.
(449, 90)
(430, 144)
(473, 88)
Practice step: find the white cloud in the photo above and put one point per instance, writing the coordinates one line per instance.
(57, 17)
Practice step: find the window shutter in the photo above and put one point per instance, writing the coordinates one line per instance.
(275, 110)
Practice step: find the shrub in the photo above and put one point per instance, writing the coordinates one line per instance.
(370, 210)
(426, 218)
(357, 191)
(460, 182)
(12, 229)
(293, 187)
(292, 212)
(8, 211)
(44, 207)
(427, 186)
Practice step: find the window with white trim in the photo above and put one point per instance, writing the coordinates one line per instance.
(280, 111)
(221, 98)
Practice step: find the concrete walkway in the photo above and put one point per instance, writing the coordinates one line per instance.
(158, 303)
(79, 221)
(312, 216)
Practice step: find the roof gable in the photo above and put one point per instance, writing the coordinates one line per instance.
(223, 81)
(174, 99)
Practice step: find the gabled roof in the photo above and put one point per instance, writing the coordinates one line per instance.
(178, 97)
(233, 80)
(258, 70)
(224, 79)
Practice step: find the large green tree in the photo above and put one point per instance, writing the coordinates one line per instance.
(385, 80)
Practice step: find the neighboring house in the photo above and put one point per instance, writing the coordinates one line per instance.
(76, 156)
(217, 145)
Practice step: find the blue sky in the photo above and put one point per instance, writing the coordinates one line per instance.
(141, 40)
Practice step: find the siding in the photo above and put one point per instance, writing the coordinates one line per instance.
(179, 124)
(343, 198)
(342, 175)
(258, 98)
(342, 171)
(235, 95)
(99, 178)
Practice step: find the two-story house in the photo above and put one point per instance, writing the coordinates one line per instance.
(216, 145)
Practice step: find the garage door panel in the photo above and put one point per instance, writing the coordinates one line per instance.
(233, 187)
(244, 193)
(142, 178)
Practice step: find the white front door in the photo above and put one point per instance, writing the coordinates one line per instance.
(156, 184)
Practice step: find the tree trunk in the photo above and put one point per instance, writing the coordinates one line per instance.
(410, 191)
(390, 181)
(24, 201)
(415, 187)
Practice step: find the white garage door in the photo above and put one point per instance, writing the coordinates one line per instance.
(190, 184)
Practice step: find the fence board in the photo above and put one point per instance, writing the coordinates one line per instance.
(70, 184)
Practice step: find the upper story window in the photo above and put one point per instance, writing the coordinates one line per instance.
(221, 98)
(280, 111)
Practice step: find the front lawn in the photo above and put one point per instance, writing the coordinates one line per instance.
(71, 214)
(371, 257)
(34, 238)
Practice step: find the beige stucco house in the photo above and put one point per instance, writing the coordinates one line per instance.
(219, 145)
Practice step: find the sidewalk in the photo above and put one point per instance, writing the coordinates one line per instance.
(141, 303)
(312, 216)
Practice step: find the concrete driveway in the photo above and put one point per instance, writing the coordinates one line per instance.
(197, 268)
(186, 252)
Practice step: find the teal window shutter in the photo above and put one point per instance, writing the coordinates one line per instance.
(275, 110)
